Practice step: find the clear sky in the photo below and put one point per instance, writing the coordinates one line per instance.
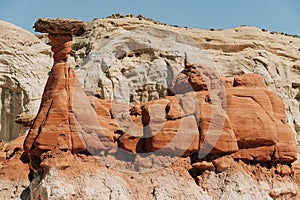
(273, 15)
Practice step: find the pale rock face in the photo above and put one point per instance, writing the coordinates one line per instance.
(88, 186)
(232, 185)
(171, 182)
(188, 189)
(131, 65)
(24, 64)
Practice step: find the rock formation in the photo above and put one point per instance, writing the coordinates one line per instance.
(56, 126)
(113, 50)
(115, 61)
(211, 137)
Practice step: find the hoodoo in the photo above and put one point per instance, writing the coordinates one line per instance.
(65, 118)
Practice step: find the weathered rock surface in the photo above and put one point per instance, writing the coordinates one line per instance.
(24, 63)
(71, 125)
(112, 66)
(134, 59)
(244, 118)
(84, 177)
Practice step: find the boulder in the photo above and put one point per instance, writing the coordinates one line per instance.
(154, 111)
(249, 111)
(132, 139)
(249, 80)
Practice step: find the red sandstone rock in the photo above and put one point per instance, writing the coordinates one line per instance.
(66, 120)
(179, 137)
(112, 113)
(217, 136)
(259, 154)
(228, 81)
(154, 111)
(248, 111)
(258, 121)
(252, 126)
(10, 164)
(190, 79)
(131, 140)
(102, 107)
(121, 114)
(189, 102)
(286, 146)
(61, 46)
(173, 109)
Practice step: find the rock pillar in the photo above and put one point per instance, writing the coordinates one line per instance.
(55, 128)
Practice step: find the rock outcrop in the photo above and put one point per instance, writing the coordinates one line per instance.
(208, 125)
(212, 137)
(133, 59)
(24, 63)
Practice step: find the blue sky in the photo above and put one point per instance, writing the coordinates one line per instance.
(273, 15)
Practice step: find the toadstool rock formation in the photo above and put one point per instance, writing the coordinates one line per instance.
(65, 113)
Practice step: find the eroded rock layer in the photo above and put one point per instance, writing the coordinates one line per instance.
(208, 130)
(207, 114)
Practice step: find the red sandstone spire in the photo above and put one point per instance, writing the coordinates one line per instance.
(57, 125)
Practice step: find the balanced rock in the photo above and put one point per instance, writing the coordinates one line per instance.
(60, 26)
(66, 120)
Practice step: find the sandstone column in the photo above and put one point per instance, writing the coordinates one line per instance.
(66, 121)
